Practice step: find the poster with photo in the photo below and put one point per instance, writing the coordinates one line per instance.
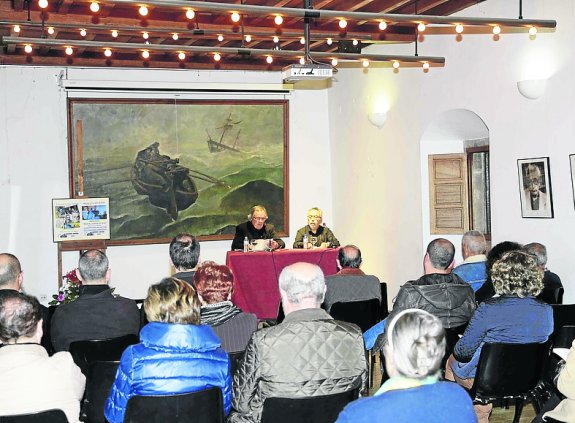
(535, 187)
(79, 219)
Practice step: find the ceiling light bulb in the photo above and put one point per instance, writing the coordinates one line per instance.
(220, 38)
(459, 28)
(108, 52)
(278, 20)
(114, 33)
(496, 29)
(355, 42)
(329, 41)
(42, 4)
(395, 64)
(248, 38)
(69, 51)
(365, 63)
(302, 40)
(83, 32)
(143, 11)
(51, 30)
(276, 39)
(217, 57)
(533, 30)
(342, 23)
(28, 48)
(94, 7)
(16, 28)
(175, 36)
(145, 35)
(145, 54)
(425, 65)
(301, 61)
(190, 14)
(334, 62)
(235, 17)
(382, 25)
(421, 27)
(270, 60)
(181, 55)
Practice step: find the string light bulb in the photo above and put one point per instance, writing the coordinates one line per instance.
(329, 41)
(302, 40)
(145, 35)
(114, 33)
(217, 57)
(421, 27)
(496, 29)
(28, 48)
(533, 30)
(108, 52)
(355, 42)
(69, 51)
(220, 38)
(269, 60)
(276, 39)
(42, 4)
(342, 23)
(145, 54)
(382, 25)
(182, 55)
(235, 17)
(83, 32)
(459, 28)
(278, 20)
(51, 30)
(365, 63)
(17, 29)
(94, 7)
(425, 65)
(143, 11)
(395, 64)
(248, 38)
(175, 36)
(190, 14)
(334, 62)
(301, 61)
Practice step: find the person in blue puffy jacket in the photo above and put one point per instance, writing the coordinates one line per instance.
(176, 354)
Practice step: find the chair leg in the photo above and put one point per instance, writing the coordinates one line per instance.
(371, 370)
(518, 410)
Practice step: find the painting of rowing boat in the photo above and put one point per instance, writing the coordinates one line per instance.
(180, 166)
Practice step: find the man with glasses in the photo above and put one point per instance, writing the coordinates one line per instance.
(256, 228)
(318, 235)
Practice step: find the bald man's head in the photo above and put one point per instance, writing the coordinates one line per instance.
(10, 272)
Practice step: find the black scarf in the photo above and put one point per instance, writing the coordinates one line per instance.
(218, 313)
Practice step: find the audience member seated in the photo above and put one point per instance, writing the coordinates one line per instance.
(438, 291)
(551, 280)
(96, 313)
(256, 228)
(515, 316)
(318, 234)
(473, 250)
(308, 354)
(30, 380)
(350, 283)
(414, 346)
(184, 254)
(215, 285)
(176, 353)
(487, 290)
(11, 279)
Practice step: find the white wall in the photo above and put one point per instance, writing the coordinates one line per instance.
(34, 169)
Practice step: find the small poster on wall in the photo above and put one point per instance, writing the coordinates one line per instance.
(80, 219)
(535, 187)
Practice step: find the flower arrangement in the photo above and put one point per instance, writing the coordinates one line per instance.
(69, 290)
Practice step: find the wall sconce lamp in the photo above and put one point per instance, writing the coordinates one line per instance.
(377, 119)
(532, 88)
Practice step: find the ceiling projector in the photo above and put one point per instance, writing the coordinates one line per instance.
(307, 72)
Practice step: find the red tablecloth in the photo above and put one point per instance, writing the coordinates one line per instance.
(256, 276)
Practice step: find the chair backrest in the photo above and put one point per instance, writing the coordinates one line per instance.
(509, 370)
(319, 409)
(552, 295)
(563, 315)
(111, 349)
(235, 359)
(365, 314)
(564, 337)
(206, 406)
(451, 338)
(48, 416)
(99, 381)
(383, 308)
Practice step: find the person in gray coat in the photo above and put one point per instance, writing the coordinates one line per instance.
(308, 354)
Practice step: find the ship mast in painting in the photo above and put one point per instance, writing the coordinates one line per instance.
(218, 146)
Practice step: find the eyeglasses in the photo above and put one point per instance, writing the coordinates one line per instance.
(260, 219)
(313, 217)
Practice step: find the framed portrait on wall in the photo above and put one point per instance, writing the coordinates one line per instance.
(535, 187)
(572, 161)
(171, 166)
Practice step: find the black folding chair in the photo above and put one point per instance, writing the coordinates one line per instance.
(320, 409)
(206, 406)
(552, 295)
(48, 416)
(564, 337)
(509, 371)
(563, 315)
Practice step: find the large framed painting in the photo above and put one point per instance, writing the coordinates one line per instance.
(180, 166)
(535, 187)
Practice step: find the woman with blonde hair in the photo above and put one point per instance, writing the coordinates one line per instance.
(514, 316)
(176, 354)
(414, 347)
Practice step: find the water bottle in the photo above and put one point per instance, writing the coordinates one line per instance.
(246, 244)
(305, 241)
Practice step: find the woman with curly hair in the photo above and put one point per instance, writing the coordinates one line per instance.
(514, 316)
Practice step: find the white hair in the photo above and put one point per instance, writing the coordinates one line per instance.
(302, 280)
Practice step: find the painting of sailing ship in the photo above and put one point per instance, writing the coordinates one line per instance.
(151, 159)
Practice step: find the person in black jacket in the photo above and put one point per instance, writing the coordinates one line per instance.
(256, 228)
